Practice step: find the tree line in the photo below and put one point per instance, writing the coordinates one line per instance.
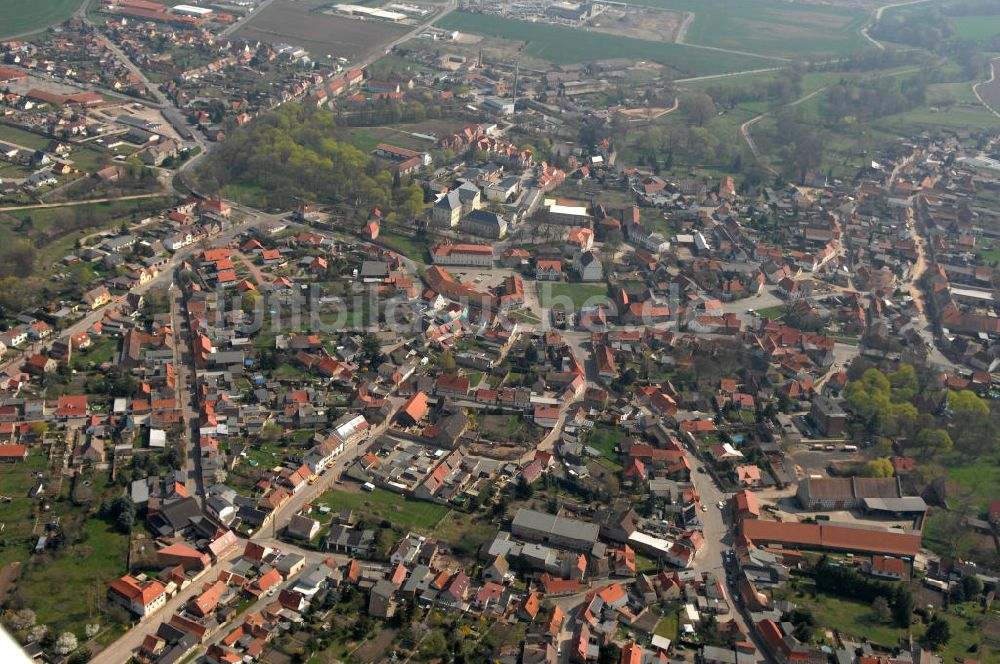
(297, 153)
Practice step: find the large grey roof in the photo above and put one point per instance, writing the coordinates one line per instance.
(555, 525)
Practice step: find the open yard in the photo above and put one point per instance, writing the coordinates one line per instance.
(856, 619)
(575, 295)
(565, 45)
(16, 508)
(22, 16)
(510, 429)
(321, 34)
(407, 246)
(982, 479)
(606, 440)
(404, 513)
(67, 589)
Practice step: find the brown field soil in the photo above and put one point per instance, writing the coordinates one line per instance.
(645, 23)
(320, 34)
(786, 31)
(8, 575)
(374, 649)
(990, 90)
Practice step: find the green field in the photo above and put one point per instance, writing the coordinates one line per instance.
(579, 295)
(404, 513)
(22, 16)
(977, 28)
(564, 45)
(21, 137)
(982, 480)
(405, 245)
(68, 591)
(17, 513)
(770, 27)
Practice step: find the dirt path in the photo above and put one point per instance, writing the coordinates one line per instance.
(878, 17)
(975, 87)
(745, 127)
(682, 29)
(255, 272)
(41, 206)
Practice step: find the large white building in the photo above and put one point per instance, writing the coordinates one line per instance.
(142, 597)
(472, 255)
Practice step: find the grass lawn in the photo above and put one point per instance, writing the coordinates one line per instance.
(286, 370)
(524, 316)
(464, 532)
(263, 454)
(102, 349)
(246, 194)
(606, 439)
(21, 137)
(667, 627)
(404, 513)
(21, 16)
(66, 591)
(572, 296)
(405, 245)
(565, 45)
(475, 377)
(988, 252)
(981, 479)
(848, 616)
(17, 514)
(773, 313)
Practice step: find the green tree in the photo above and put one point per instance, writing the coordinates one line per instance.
(904, 383)
(972, 586)
(878, 468)
(700, 108)
(434, 645)
(880, 609)
(933, 441)
(938, 632)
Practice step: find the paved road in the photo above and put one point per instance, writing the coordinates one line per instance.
(153, 89)
(121, 650)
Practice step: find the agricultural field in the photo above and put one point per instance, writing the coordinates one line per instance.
(321, 34)
(976, 28)
(990, 89)
(23, 138)
(770, 27)
(25, 16)
(565, 45)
